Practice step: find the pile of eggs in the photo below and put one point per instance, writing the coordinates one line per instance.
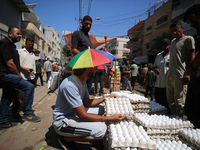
(127, 134)
(170, 145)
(191, 136)
(155, 107)
(118, 106)
(135, 98)
(161, 121)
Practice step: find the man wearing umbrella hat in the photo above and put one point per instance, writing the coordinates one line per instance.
(76, 117)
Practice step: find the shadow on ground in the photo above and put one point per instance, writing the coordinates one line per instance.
(51, 137)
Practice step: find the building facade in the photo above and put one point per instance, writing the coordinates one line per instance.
(55, 45)
(118, 47)
(11, 15)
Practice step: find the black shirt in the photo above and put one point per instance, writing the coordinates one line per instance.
(8, 51)
(81, 40)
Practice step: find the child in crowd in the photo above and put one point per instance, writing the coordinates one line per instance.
(150, 82)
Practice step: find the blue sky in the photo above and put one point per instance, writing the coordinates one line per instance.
(116, 16)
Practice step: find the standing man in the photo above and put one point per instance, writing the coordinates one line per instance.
(192, 17)
(39, 72)
(181, 55)
(10, 79)
(134, 73)
(81, 41)
(76, 117)
(125, 74)
(161, 66)
(47, 68)
(27, 61)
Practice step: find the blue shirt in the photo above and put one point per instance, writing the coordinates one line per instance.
(70, 95)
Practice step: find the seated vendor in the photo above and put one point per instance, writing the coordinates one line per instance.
(76, 117)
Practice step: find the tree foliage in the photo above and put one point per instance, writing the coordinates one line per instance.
(66, 52)
(156, 43)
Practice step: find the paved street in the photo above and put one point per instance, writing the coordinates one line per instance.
(33, 136)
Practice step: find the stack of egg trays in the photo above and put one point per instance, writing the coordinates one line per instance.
(161, 132)
(119, 145)
(140, 105)
(189, 139)
(128, 104)
(158, 110)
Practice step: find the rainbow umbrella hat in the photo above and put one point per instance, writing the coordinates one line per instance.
(90, 58)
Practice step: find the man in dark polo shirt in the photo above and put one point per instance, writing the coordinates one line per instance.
(10, 79)
(81, 41)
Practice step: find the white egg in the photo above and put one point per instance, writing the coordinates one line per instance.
(122, 139)
(115, 139)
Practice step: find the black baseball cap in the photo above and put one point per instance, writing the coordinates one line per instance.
(166, 40)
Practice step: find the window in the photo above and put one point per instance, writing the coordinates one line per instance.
(43, 42)
(149, 29)
(125, 46)
(148, 46)
(162, 20)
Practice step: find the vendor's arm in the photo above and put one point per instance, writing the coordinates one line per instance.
(12, 67)
(90, 103)
(84, 116)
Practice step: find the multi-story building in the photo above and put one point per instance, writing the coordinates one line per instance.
(56, 46)
(155, 26)
(11, 15)
(136, 39)
(118, 47)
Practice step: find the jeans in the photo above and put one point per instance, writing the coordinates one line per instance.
(10, 82)
(48, 75)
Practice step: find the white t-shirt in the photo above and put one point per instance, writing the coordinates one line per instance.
(161, 63)
(27, 60)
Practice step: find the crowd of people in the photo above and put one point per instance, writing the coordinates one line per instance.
(173, 79)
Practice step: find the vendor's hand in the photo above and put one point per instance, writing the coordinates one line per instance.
(118, 117)
(111, 95)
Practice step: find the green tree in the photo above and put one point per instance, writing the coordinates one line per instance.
(156, 43)
(66, 52)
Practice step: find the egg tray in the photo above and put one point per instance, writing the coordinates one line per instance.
(125, 114)
(187, 139)
(125, 144)
(159, 112)
(170, 127)
(172, 144)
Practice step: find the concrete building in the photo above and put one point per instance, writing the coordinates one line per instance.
(56, 46)
(136, 39)
(178, 9)
(33, 27)
(118, 47)
(155, 26)
(11, 15)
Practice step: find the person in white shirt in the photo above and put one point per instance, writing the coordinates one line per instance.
(27, 61)
(161, 66)
(47, 68)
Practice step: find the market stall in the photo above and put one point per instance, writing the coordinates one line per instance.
(147, 126)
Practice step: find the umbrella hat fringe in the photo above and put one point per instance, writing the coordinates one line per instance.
(90, 58)
(84, 61)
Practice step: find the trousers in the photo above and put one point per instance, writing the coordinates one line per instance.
(11, 82)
